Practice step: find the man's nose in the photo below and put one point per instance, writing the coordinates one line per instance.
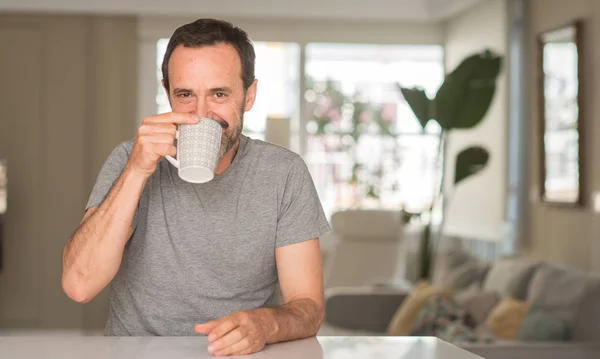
(202, 107)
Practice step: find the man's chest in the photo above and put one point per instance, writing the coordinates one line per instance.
(194, 235)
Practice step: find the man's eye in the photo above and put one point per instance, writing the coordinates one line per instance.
(184, 95)
(220, 94)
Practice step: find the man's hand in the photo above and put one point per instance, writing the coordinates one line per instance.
(243, 332)
(155, 139)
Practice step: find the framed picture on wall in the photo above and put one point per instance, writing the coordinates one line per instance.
(561, 115)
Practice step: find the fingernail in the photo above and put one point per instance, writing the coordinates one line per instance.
(211, 348)
(219, 353)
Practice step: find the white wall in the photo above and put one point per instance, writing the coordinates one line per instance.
(477, 208)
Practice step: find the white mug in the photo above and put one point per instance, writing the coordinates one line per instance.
(198, 148)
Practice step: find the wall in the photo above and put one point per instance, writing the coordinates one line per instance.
(569, 236)
(68, 96)
(477, 208)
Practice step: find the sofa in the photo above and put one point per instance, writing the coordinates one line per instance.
(554, 310)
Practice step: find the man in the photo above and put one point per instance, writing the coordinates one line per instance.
(188, 258)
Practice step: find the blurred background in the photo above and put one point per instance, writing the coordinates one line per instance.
(335, 80)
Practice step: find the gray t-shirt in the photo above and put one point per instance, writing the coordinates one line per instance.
(202, 251)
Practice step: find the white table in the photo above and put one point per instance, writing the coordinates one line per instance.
(71, 347)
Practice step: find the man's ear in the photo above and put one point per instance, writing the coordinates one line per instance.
(250, 96)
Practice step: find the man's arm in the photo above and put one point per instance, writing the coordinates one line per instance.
(93, 254)
(300, 274)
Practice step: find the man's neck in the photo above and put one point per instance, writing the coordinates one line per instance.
(225, 161)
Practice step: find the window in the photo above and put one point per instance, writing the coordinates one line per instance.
(277, 70)
(365, 146)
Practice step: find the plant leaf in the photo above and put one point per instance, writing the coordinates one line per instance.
(470, 161)
(467, 92)
(418, 102)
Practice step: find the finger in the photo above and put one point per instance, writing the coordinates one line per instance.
(162, 138)
(163, 149)
(239, 348)
(205, 328)
(153, 128)
(223, 328)
(226, 341)
(173, 117)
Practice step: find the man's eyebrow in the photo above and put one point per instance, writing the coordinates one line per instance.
(221, 89)
(181, 90)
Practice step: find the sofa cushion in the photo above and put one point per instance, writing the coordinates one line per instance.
(436, 313)
(477, 303)
(558, 290)
(404, 319)
(447, 261)
(503, 322)
(458, 333)
(511, 277)
(471, 272)
(442, 318)
(570, 295)
(539, 326)
(587, 322)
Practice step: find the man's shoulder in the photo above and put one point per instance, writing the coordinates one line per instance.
(122, 151)
(274, 154)
(127, 146)
(119, 154)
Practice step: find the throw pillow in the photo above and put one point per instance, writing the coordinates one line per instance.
(477, 303)
(458, 333)
(503, 322)
(405, 317)
(559, 291)
(442, 318)
(538, 325)
(471, 272)
(511, 277)
(436, 313)
(446, 262)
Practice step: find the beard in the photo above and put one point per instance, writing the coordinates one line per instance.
(231, 136)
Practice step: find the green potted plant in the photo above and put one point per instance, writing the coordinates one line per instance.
(461, 102)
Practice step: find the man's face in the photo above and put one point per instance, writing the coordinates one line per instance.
(207, 81)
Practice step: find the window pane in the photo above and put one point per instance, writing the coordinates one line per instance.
(162, 101)
(277, 71)
(365, 147)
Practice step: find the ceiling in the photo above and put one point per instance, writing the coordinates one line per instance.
(371, 10)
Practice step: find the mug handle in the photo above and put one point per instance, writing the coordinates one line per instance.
(173, 161)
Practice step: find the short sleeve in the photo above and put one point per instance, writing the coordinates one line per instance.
(111, 170)
(301, 215)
